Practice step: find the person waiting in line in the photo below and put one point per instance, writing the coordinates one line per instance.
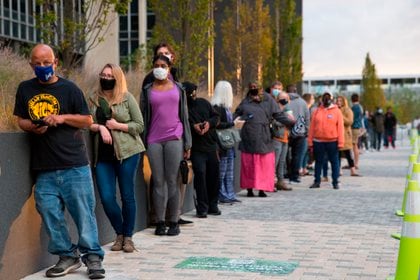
(59, 158)
(281, 140)
(256, 146)
(298, 133)
(326, 137)
(117, 125)
(303, 171)
(166, 49)
(204, 158)
(378, 127)
(168, 140)
(390, 126)
(346, 151)
(356, 126)
(222, 103)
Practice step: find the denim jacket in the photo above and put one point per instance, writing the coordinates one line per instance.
(126, 144)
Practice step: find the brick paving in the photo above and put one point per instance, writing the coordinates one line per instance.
(332, 234)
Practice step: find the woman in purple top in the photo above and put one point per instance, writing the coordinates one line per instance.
(168, 138)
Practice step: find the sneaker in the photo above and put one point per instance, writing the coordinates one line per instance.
(250, 193)
(215, 212)
(294, 181)
(336, 187)
(315, 186)
(64, 265)
(183, 222)
(118, 243)
(128, 245)
(173, 229)
(235, 200)
(94, 267)
(160, 228)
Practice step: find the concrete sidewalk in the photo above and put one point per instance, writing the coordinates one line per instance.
(332, 234)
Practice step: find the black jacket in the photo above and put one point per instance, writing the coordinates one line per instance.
(200, 110)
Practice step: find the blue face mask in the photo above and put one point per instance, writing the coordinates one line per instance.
(44, 73)
(275, 92)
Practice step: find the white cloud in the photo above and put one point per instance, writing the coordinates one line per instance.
(338, 34)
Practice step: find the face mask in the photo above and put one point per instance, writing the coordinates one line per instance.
(283, 101)
(44, 73)
(160, 73)
(327, 102)
(107, 84)
(253, 91)
(169, 56)
(275, 92)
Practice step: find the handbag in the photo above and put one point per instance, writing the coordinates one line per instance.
(185, 167)
(276, 130)
(228, 137)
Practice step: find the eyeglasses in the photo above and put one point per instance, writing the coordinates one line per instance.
(106, 76)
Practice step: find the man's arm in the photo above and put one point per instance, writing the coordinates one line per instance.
(75, 120)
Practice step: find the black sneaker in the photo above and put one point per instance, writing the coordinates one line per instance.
(173, 229)
(215, 212)
(335, 186)
(160, 228)
(183, 222)
(315, 186)
(64, 265)
(94, 267)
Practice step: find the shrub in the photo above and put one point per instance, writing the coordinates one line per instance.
(15, 68)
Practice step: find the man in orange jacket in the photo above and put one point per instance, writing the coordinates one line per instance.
(326, 137)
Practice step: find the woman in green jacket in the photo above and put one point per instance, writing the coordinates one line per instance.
(118, 124)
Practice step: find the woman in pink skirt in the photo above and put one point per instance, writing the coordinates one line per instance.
(257, 150)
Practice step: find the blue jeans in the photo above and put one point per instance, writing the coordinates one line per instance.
(72, 189)
(296, 146)
(107, 173)
(330, 149)
(227, 168)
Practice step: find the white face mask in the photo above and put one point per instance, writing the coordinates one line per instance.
(160, 73)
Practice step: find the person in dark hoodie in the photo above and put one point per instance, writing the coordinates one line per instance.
(203, 121)
(298, 133)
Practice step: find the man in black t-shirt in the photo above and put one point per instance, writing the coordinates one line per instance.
(53, 111)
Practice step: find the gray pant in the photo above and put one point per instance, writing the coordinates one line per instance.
(280, 149)
(164, 160)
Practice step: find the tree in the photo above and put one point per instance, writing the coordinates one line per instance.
(372, 95)
(188, 27)
(74, 31)
(246, 42)
(285, 63)
(406, 105)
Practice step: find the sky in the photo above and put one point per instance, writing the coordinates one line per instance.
(338, 34)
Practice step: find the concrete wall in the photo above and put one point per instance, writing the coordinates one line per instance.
(23, 240)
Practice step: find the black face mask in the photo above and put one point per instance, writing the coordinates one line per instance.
(283, 101)
(107, 84)
(253, 92)
(326, 102)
